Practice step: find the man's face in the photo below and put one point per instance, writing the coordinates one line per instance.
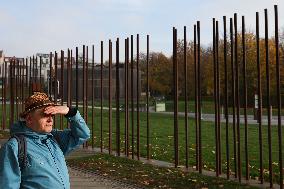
(39, 121)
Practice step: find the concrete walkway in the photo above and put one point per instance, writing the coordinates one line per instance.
(80, 179)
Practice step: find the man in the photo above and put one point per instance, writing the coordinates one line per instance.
(46, 147)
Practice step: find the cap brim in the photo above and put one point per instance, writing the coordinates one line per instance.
(25, 113)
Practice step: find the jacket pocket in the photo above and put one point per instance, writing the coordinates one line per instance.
(36, 161)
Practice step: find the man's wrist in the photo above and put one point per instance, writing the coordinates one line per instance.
(72, 112)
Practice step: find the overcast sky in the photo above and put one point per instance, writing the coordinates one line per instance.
(32, 26)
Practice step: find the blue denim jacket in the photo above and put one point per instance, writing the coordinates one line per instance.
(46, 167)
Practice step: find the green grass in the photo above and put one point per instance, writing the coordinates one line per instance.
(162, 141)
(208, 107)
(149, 176)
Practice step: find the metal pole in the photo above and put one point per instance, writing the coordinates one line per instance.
(132, 97)
(101, 96)
(278, 97)
(199, 97)
(226, 97)
(61, 86)
(175, 88)
(55, 83)
(117, 100)
(77, 78)
(50, 74)
(147, 93)
(185, 96)
(237, 97)
(138, 101)
(233, 96)
(126, 138)
(87, 88)
(16, 72)
(215, 99)
(245, 95)
(196, 103)
(259, 100)
(12, 75)
(71, 78)
(218, 98)
(40, 77)
(93, 92)
(110, 97)
(268, 98)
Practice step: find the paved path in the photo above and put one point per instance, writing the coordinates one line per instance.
(83, 179)
(87, 179)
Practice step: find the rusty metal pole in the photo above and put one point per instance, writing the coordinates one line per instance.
(259, 100)
(226, 97)
(50, 73)
(195, 100)
(27, 78)
(147, 101)
(71, 77)
(268, 98)
(175, 78)
(132, 97)
(87, 89)
(77, 78)
(237, 97)
(117, 100)
(185, 95)
(199, 97)
(245, 95)
(101, 96)
(83, 84)
(12, 75)
(16, 68)
(30, 77)
(278, 97)
(138, 100)
(17, 86)
(61, 86)
(215, 99)
(218, 98)
(93, 92)
(127, 91)
(68, 83)
(233, 94)
(40, 77)
(55, 83)
(110, 97)
(23, 84)
(4, 96)
(125, 100)
(68, 78)
(36, 74)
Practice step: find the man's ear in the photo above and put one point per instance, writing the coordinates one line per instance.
(28, 119)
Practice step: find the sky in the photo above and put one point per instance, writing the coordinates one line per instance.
(42, 26)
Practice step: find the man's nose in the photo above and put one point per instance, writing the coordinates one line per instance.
(49, 118)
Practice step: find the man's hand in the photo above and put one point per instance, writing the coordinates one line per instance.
(56, 110)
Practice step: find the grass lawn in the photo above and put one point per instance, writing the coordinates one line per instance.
(149, 176)
(208, 107)
(162, 141)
